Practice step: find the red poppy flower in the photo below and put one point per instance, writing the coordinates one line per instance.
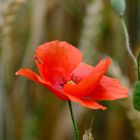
(63, 73)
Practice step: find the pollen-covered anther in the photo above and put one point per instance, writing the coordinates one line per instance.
(71, 82)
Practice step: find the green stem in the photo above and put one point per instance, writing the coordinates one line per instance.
(73, 121)
(127, 40)
(138, 62)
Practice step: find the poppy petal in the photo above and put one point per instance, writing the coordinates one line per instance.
(89, 83)
(82, 71)
(86, 102)
(36, 78)
(109, 89)
(56, 59)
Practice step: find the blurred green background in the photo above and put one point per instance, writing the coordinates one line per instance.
(29, 111)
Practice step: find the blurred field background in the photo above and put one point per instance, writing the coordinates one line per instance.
(27, 110)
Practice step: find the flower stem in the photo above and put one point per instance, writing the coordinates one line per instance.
(138, 62)
(73, 121)
(127, 40)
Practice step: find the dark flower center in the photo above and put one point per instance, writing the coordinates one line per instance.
(75, 78)
(62, 81)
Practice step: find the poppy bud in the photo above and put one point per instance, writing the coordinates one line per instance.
(136, 96)
(119, 6)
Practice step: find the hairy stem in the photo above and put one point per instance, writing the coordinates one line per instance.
(127, 40)
(138, 62)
